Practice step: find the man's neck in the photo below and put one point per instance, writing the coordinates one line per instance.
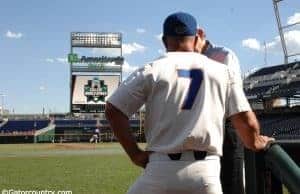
(206, 45)
(180, 49)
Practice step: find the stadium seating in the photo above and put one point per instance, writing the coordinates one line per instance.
(133, 122)
(257, 90)
(282, 126)
(75, 123)
(88, 123)
(15, 126)
(294, 85)
(281, 80)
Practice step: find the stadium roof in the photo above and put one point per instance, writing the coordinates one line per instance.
(274, 69)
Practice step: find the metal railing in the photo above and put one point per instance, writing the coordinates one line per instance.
(267, 171)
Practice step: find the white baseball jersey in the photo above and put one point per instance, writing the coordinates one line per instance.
(187, 98)
(226, 56)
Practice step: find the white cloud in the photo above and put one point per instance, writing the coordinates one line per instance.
(14, 35)
(251, 43)
(127, 49)
(127, 68)
(133, 47)
(159, 36)
(293, 19)
(56, 60)
(140, 30)
(42, 88)
(111, 52)
(292, 39)
(49, 60)
(62, 60)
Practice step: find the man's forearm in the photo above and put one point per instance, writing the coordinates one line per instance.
(121, 128)
(248, 129)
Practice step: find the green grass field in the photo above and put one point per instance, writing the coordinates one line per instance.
(81, 168)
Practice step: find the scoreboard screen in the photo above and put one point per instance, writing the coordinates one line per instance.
(89, 92)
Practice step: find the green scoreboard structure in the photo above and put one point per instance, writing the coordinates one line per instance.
(94, 78)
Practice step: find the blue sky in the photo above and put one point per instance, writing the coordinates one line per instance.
(34, 39)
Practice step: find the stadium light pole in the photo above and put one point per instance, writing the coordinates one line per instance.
(2, 103)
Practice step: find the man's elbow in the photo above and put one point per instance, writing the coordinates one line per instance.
(248, 129)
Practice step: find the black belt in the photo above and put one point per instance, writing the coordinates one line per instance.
(198, 155)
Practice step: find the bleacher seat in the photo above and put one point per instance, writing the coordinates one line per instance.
(75, 123)
(283, 126)
(23, 125)
(258, 90)
(88, 123)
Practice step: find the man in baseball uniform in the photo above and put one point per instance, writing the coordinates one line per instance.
(233, 150)
(187, 98)
(96, 135)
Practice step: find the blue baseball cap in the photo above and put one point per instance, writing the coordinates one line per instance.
(180, 24)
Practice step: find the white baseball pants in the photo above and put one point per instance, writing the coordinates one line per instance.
(185, 176)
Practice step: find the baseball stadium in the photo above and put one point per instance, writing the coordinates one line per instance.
(77, 151)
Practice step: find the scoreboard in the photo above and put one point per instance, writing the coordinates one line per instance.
(90, 91)
(93, 78)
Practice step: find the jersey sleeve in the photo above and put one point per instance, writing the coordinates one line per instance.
(233, 64)
(133, 92)
(236, 98)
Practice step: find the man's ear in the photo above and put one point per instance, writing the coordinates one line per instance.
(199, 41)
(198, 44)
(201, 33)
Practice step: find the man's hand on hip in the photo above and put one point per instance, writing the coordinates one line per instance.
(140, 158)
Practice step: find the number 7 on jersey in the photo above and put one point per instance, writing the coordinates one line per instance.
(196, 76)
